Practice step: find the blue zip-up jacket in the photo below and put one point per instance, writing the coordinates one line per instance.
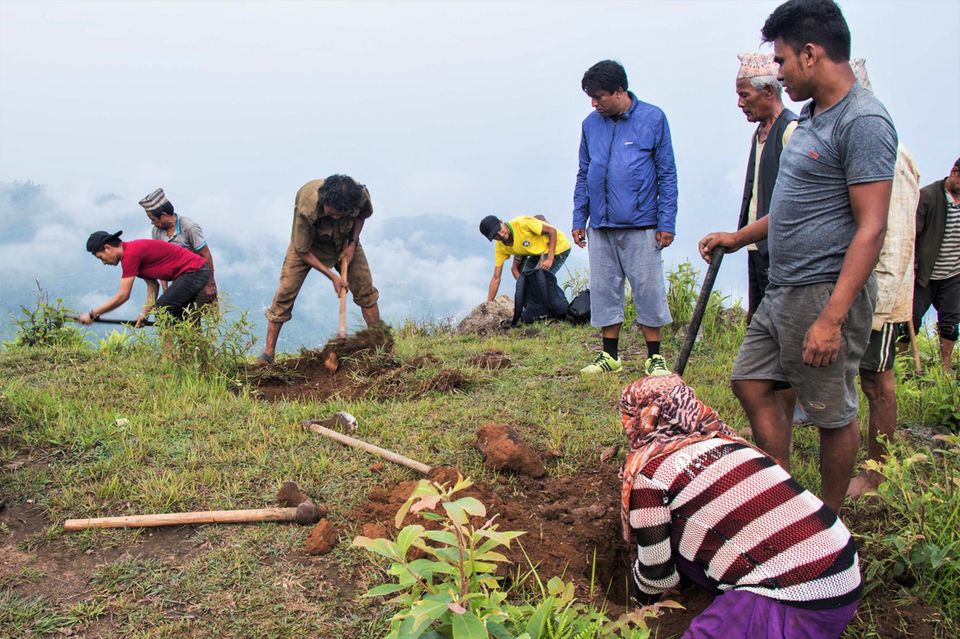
(627, 177)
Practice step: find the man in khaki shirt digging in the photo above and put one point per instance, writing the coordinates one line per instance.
(328, 217)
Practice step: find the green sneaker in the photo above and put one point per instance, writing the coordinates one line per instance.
(602, 364)
(656, 366)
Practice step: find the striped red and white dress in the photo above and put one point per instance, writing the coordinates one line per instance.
(734, 512)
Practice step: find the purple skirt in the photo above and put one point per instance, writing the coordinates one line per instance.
(738, 614)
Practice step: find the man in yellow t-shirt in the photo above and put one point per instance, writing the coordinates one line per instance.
(538, 244)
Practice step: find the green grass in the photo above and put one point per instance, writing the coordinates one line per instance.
(89, 431)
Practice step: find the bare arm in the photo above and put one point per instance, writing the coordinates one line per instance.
(733, 242)
(338, 282)
(347, 251)
(494, 282)
(211, 288)
(122, 295)
(153, 292)
(551, 233)
(870, 203)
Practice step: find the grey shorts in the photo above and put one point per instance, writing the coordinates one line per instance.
(772, 349)
(633, 254)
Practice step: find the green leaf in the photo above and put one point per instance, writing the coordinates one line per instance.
(407, 536)
(468, 626)
(380, 546)
(539, 619)
(441, 536)
(422, 488)
(422, 614)
(384, 589)
(462, 509)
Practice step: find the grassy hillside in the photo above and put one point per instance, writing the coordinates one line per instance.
(112, 429)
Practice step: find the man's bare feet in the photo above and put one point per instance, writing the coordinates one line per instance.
(864, 483)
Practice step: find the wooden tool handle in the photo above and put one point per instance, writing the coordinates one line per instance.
(342, 329)
(389, 455)
(107, 320)
(913, 347)
(716, 256)
(178, 519)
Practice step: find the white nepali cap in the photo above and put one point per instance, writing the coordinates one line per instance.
(757, 65)
(154, 201)
(859, 66)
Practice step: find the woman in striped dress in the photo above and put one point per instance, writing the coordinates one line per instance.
(700, 500)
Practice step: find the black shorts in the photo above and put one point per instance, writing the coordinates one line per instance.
(882, 348)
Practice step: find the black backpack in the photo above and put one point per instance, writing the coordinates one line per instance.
(578, 312)
(538, 297)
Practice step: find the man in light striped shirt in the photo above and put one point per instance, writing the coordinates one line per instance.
(938, 260)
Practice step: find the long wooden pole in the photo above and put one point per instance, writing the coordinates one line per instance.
(389, 455)
(698, 311)
(916, 350)
(342, 330)
(178, 519)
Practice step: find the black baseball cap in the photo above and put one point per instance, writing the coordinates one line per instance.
(97, 239)
(490, 226)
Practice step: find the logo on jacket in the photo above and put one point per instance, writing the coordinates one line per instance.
(526, 242)
(813, 154)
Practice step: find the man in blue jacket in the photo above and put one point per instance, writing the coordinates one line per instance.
(627, 192)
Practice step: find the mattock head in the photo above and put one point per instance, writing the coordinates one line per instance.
(307, 513)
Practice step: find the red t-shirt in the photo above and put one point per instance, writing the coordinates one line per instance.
(158, 260)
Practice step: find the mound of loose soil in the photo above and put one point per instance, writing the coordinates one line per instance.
(503, 449)
(352, 367)
(487, 318)
(572, 529)
(491, 359)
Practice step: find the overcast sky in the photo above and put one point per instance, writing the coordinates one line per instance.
(454, 108)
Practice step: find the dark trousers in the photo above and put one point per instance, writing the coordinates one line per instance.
(183, 291)
(944, 296)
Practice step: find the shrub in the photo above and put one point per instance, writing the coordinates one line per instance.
(46, 325)
(919, 545)
(445, 582)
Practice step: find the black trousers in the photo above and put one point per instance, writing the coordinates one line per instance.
(183, 291)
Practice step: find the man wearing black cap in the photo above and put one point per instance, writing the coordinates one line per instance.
(150, 260)
(538, 244)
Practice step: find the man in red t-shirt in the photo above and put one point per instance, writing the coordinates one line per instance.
(150, 260)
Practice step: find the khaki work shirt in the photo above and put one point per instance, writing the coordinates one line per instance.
(311, 226)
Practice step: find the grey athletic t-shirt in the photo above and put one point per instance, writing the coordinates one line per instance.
(187, 234)
(811, 222)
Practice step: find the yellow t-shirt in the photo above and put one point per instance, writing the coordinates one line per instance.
(528, 239)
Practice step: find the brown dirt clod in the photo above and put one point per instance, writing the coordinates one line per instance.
(491, 359)
(444, 475)
(504, 450)
(352, 367)
(374, 531)
(290, 494)
(322, 538)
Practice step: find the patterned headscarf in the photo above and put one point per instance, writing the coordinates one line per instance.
(660, 415)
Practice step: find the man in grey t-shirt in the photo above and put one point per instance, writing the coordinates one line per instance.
(825, 228)
(182, 231)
